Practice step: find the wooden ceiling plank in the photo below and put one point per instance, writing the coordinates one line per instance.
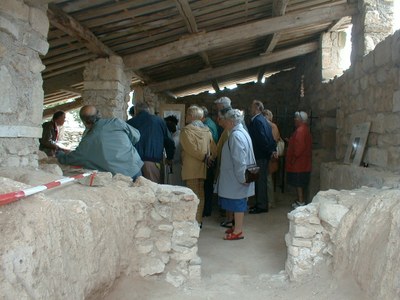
(52, 85)
(64, 70)
(220, 38)
(69, 25)
(133, 13)
(236, 67)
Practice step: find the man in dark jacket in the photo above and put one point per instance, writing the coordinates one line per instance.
(264, 145)
(154, 138)
(50, 134)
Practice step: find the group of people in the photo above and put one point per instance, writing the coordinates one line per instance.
(206, 156)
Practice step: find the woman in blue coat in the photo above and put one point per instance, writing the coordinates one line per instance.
(237, 154)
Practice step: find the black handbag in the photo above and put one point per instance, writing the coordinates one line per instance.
(252, 173)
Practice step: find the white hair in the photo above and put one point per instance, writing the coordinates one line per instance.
(225, 101)
(235, 115)
(301, 115)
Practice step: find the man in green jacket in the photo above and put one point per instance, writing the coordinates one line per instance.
(107, 145)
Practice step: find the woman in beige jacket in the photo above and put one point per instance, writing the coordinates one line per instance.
(197, 151)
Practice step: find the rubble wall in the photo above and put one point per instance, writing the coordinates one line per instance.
(72, 242)
(23, 37)
(356, 232)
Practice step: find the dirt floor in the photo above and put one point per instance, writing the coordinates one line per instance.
(244, 269)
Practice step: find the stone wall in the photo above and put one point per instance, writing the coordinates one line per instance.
(23, 37)
(74, 241)
(107, 86)
(348, 177)
(368, 91)
(145, 94)
(355, 232)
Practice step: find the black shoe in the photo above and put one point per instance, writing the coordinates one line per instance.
(227, 224)
(257, 210)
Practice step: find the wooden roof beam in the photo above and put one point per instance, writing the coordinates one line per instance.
(58, 18)
(278, 9)
(205, 41)
(52, 85)
(64, 107)
(233, 68)
(215, 85)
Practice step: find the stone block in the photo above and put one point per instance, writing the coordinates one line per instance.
(396, 47)
(392, 123)
(155, 216)
(8, 92)
(35, 42)
(166, 227)
(368, 62)
(9, 27)
(396, 101)
(175, 278)
(195, 273)
(305, 231)
(377, 124)
(144, 247)
(39, 21)
(15, 8)
(103, 85)
(181, 253)
(151, 266)
(332, 213)
(143, 232)
(377, 157)
(164, 244)
(382, 75)
(383, 52)
(299, 242)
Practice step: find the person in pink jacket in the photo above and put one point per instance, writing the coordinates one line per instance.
(298, 157)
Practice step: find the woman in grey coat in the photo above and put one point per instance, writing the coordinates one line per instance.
(237, 154)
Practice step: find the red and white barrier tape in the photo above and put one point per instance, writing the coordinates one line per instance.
(14, 196)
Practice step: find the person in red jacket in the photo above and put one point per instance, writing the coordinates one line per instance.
(298, 157)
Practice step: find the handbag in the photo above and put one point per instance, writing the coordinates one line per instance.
(252, 173)
(280, 147)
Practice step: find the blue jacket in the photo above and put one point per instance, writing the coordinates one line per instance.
(154, 137)
(261, 135)
(109, 147)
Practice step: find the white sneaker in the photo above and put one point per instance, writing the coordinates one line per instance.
(296, 204)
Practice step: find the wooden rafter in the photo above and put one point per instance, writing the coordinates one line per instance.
(58, 18)
(190, 21)
(205, 41)
(233, 68)
(278, 9)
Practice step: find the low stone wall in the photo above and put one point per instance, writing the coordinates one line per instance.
(73, 241)
(354, 231)
(341, 176)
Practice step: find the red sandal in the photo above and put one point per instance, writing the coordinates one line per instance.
(234, 236)
(230, 230)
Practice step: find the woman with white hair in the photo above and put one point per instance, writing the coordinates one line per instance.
(232, 189)
(197, 152)
(298, 157)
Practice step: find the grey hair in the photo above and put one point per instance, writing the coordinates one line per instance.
(196, 112)
(235, 115)
(225, 101)
(205, 111)
(301, 115)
